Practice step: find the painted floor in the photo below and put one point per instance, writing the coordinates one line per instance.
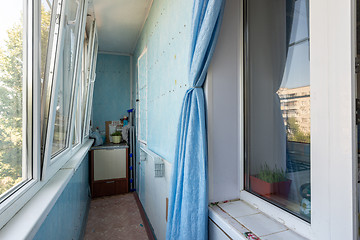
(115, 217)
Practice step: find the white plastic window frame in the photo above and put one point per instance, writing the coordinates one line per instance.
(77, 97)
(139, 117)
(90, 45)
(84, 87)
(14, 199)
(82, 63)
(93, 80)
(91, 56)
(51, 164)
(91, 96)
(92, 84)
(334, 172)
(76, 126)
(92, 76)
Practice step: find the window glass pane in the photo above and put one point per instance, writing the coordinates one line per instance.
(46, 6)
(277, 90)
(13, 167)
(76, 132)
(75, 137)
(89, 112)
(65, 83)
(77, 116)
(84, 84)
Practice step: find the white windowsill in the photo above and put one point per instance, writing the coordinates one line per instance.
(236, 218)
(26, 223)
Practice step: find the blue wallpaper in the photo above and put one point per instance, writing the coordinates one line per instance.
(166, 34)
(66, 219)
(112, 89)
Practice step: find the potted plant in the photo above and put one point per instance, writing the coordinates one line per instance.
(116, 137)
(269, 182)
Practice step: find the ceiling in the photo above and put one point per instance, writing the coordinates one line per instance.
(119, 23)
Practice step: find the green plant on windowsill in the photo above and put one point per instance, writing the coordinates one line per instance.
(271, 176)
(270, 181)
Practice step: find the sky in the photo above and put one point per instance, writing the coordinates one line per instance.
(9, 14)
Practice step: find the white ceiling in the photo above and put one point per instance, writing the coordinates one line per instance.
(119, 23)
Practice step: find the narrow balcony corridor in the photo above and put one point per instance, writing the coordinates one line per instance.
(116, 217)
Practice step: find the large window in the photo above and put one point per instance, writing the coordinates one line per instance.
(66, 78)
(40, 62)
(61, 78)
(24, 45)
(60, 120)
(277, 103)
(14, 166)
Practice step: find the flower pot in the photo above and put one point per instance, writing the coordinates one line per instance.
(261, 187)
(116, 139)
(266, 189)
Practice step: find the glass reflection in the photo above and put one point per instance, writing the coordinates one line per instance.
(278, 104)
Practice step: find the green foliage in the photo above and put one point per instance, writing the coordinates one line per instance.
(271, 176)
(11, 59)
(117, 133)
(11, 101)
(45, 27)
(294, 132)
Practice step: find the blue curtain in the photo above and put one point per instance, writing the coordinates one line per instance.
(188, 205)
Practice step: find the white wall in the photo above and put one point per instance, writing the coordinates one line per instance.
(153, 192)
(222, 91)
(215, 233)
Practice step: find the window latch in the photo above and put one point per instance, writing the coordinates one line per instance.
(357, 65)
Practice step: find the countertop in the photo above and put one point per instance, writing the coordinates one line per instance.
(111, 146)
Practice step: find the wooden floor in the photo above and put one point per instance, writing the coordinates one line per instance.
(115, 217)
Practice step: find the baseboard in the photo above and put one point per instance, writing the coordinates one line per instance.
(145, 219)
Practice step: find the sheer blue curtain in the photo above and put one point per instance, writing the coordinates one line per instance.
(188, 205)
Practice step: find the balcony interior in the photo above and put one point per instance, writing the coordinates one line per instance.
(108, 139)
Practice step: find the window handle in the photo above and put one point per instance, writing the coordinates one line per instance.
(72, 22)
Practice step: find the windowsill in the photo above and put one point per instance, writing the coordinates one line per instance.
(236, 218)
(26, 223)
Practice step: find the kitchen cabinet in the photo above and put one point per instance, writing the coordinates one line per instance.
(109, 170)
